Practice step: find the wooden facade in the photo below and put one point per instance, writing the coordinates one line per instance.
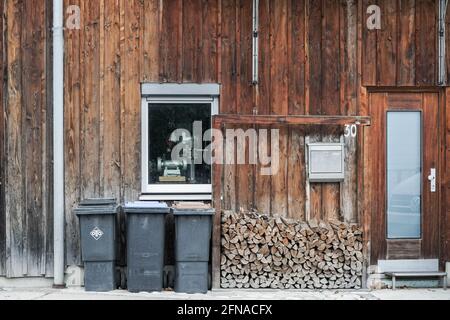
(316, 58)
(26, 217)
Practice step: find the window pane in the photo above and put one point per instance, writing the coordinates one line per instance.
(404, 175)
(164, 120)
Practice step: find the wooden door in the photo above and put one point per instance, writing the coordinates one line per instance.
(402, 152)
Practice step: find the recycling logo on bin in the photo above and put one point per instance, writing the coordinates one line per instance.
(96, 233)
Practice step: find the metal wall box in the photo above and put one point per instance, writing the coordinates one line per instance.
(326, 162)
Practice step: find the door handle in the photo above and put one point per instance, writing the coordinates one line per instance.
(432, 179)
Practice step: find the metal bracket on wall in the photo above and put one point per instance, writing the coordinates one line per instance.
(255, 45)
(442, 74)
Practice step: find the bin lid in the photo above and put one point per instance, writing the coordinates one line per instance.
(192, 208)
(146, 207)
(83, 210)
(98, 202)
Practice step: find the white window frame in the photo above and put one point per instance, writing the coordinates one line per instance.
(170, 94)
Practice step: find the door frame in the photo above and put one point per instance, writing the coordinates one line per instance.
(375, 251)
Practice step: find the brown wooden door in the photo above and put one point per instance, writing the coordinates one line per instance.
(402, 151)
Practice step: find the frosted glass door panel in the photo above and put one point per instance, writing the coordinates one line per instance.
(404, 175)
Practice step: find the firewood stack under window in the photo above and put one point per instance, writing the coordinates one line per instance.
(259, 252)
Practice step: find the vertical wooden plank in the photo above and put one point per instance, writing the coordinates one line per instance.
(244, 94)
(315, 93)
(331, 203)
(315, 57)
(387, 45)
(111, 100)
(151, 40)
(2, 148)
(447, 42)
(369, 47)
(264, 63)
(47, 131)
(279, 197)
(279, 62)
(130, 114)
(296, 53)
(330, 59)
(218, 174)
(315, 191)
(192, 41)
(349, 189)
(431, 213)
(228, 94)
(279, 100)
(171, 48)
(263, 182)
(90, 144)
(349, 59)
(262, 101)
(33, 60)
(210, 12)
(349, 106)
(72, 116)
(375, 180)
(244, 179)
(426, 55)
(296, 174)
(14, 191)
(245, 88)
(446, 180)
(228, 57)
(406, 46)
(331, 96)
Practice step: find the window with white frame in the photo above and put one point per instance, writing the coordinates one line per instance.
(176, 123)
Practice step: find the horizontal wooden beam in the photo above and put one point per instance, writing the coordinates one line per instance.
(290, 120)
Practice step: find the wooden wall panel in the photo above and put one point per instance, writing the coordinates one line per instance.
(387, 44)
(426, 46)
(445, 227)
(72, 127)
(403, 52)
(263, 183)
(279, 100)
(308, 64)
(90, 90)
(244, 172)
(110, 181)
(171, 42)
(2, 152)
(407, 45)
(26, 218)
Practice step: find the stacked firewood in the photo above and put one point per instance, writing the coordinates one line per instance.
(272, 252)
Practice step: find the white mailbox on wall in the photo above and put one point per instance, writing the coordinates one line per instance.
(326, 162)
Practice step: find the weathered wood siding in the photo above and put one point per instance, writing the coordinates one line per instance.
(26, 217)
(445, 204)
(316, 58)
(403, 52)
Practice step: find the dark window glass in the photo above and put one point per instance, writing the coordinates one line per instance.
(164, 120)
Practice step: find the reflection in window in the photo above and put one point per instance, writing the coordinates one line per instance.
(404, 175)
(164, 120)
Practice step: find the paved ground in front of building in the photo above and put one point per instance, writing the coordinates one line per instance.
(80, 294)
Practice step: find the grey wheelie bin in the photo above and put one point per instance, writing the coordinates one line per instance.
(193, 227)
(145, 245)
(98, 243)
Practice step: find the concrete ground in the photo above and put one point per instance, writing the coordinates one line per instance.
(80, 294)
